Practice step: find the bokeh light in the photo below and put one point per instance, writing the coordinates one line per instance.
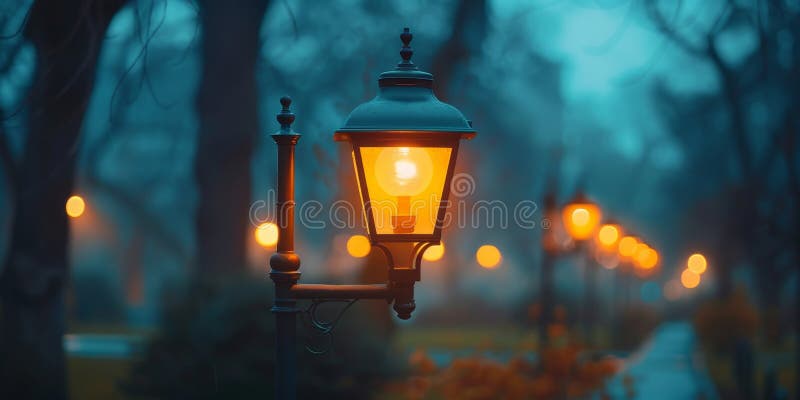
(689, 279)
(608, 235)
(488, 256)
(75, 206)
(267, 234)
(627, 246)
(358, 246)
(581, 219)
(434, 253)
(647, 259)
(697, 263)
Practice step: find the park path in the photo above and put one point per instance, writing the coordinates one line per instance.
(667, 367)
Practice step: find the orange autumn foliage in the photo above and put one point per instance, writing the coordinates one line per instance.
(561, 372)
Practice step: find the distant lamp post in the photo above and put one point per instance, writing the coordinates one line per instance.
(581, 218)
(404, 145)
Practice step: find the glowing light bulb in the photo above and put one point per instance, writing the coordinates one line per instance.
(580, 216)
(403, 172)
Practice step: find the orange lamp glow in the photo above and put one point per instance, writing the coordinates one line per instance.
(404, 187)
(640, 254)
(627, 246)
(697, 263)
(581, 218)
(75, 206)
(608, 236)
(689, 279)
(358, 246)
(488, 256)
(266, 234)
(648, 259)
(434, 253)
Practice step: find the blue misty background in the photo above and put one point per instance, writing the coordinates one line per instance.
(566, 96)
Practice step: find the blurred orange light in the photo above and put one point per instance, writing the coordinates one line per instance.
(267, 234)
(434, 253)
(689, 279)
(645, 257)
(488, 256)
(358, 246)
(649, 259)
(627, 246)
(608, 235)
(75, 206)
(697, 263)
(581, 219)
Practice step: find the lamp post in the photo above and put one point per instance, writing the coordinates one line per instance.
(581, 217)
(626, 250)
(405, 143)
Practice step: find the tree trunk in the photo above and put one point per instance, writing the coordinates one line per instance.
(67, 36)
(469, 31)
(228, 115)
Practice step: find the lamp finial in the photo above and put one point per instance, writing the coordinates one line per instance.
(285, 117)
(406, 51)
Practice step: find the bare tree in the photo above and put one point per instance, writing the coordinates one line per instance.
(67, 36)
(228, 116)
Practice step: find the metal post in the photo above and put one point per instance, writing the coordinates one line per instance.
(590, 281)
(285, 263)
(546, 284)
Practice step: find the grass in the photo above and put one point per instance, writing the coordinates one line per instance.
(480, 338)
(93, 378)
(98, 378)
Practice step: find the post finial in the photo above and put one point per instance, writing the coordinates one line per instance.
(406, 51)
(285, 117)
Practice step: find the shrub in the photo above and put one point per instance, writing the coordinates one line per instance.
(217, 341)
(721, 323)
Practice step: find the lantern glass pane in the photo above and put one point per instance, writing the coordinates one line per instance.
(405, 187)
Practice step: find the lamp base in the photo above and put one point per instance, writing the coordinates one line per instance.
(403, 223)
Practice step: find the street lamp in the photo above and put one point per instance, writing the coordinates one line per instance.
(404, 146)
(581, 217)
